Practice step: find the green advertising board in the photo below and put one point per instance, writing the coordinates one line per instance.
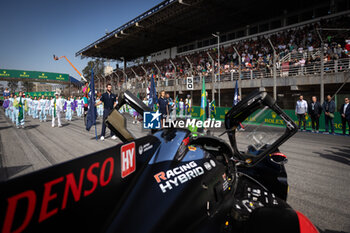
(39, 93)
(273, 120)
(48, 76)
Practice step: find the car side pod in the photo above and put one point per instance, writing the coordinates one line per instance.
(305, 224)
(278, 220)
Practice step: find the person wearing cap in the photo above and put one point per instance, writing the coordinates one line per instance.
(57, 107)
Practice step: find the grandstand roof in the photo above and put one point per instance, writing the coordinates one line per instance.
(172, 23)
(75, 81)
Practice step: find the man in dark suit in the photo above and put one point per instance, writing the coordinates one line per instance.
(109, 102)
(315, 110)
(345, 115)
(329, 109)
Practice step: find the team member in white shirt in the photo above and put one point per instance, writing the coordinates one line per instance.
(301, 111)
(57, 108)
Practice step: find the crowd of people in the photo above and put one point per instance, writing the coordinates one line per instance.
(257, 54)
(18, 107)
(314, 109)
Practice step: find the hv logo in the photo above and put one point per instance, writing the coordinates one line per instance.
(128, 159)
(151, 120)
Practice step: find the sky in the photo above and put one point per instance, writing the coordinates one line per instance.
(32, 31)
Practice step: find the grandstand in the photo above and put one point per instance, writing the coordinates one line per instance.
(273, 47)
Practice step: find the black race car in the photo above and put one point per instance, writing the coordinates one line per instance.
(167, 181)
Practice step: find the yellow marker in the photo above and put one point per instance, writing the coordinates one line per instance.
(251, 204)
(226, 223)
(248, 160)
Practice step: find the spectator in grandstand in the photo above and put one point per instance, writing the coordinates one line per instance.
(256, 54)
(109, 102)
(345, 114)
(163, 106)
(329, 109)
(315, 110)
(301, 111)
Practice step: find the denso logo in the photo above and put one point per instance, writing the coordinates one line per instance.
(128, 159)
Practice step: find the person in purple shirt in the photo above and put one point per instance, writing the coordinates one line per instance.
(6, 105)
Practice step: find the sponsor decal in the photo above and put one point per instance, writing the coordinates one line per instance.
(145, 148)
(225, 184)
(151, 120)
(212, 163)
(192, 148)
(186, 141)
(55, 195)
(207, 166)
(128, 159)
(167, 180)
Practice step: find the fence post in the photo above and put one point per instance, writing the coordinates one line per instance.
(335, 66)
(239, 72)
(274, 71)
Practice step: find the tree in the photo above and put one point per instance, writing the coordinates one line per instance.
(13, 85)
(27, 86)
(98, 68)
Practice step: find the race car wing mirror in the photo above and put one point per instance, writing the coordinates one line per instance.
(256, 127)
(134, 102)
(117, 123)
